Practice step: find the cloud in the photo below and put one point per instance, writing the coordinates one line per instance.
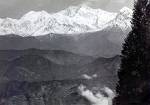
(98, 98)
(88, 77)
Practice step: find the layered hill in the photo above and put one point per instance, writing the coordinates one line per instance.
(44, 65)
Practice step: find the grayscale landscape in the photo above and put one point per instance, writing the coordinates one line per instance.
(61, 56)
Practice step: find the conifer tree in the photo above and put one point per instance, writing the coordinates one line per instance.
(134, 75)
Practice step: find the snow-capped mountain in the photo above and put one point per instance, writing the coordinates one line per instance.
(75, 19)
(122, 20)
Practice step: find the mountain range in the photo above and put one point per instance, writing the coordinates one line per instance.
(77, 29)
(46, 65)
(40, 77)
(97, 44)
(72, 20)
(45, 58)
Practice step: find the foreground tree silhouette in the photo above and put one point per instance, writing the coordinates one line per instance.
(134, 75)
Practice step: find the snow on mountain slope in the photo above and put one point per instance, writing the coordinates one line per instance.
(122, 20)
(120, 26)
(75, 19)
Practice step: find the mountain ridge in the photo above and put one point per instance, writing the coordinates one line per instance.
(34, 64)
(75, 19)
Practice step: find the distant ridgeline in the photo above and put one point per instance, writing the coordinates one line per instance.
(41, 77)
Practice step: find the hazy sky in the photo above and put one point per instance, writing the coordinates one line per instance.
(16, 8)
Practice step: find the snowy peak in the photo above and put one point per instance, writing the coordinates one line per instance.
(124, 18)
(121, 21)
(33, 15)
(80, 10)
(75, 19)
(126, 11)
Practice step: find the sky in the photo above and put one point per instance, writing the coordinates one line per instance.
(17, 8)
